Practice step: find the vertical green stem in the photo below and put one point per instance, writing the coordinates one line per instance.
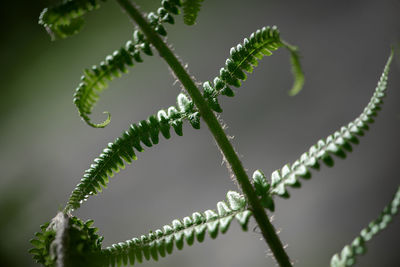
(209, 117)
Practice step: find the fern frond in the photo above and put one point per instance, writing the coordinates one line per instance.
(42, 242)
(348, 254)
(296, 69)
(337, 144)
(65, 19)
(243, 58)
(190, 10)
(162, 242)
(96, 80)
(123, 149)
(67, 241)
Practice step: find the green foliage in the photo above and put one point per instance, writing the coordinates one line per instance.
(190, 10)
(336, 144)
(244, 58)
(349, 253)
(41, 250)
(296, 70)
(262, 187)
(123, 149)
(112, 159)
(65, 19)
(161, 242)
(67, 241)
(96, 80)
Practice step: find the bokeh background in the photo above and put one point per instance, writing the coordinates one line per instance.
(45, 147)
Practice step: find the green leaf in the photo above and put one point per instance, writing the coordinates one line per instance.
(337, 144)
(95, 80)
(244, 58)
(65, 19)
(190, 10)
(296, 70)
(114, 156)
(260, 183)
(349, 253)
(156, 243)
(68, 239)
(235, 200)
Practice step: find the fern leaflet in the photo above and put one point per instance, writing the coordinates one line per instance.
(243, 58)
(348, 254)
(65, 19)
(161, 242)
(262, 187)
(337, 144)
(145, 132)
(296, 69)
(190, 10)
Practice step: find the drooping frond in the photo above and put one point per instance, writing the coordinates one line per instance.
(123, 149)
(96, 80)
(190, 10)
(243, 58)
(162, 241)
(348, 255)
(66, 19)
(296, 69)
(337, 144)
(67, 241)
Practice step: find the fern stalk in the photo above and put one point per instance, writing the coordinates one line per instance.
(267, 229)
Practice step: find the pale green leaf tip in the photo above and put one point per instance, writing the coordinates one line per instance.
(297, 71)
(297, 86)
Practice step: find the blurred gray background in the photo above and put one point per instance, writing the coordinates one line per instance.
(45, 147)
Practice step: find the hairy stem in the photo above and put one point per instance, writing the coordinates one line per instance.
(209, 117)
